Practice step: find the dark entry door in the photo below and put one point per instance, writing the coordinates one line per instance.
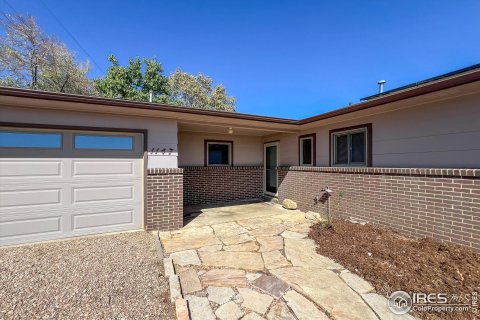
(271, 168)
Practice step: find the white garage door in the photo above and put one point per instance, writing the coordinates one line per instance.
(57, 184)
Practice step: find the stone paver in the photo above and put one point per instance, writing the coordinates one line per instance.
(293, 235)
(252, 276)
(241, 260)
(246, 247)
(189, 281)
(280, 312)
(224, 278)
(270, 243)
(213, 248)
(200, 308)
(271, 285)
(301, 227)
(327, 290)
(253, 316)
(168, 267)
(302, 253)
(255, 301)
(355, 282)
(229, 311)
(268, 231)
(220, 295)
(259, 223)
(189, 242)
(175, 291)
(380, 305)
(237, 239)
(181, 309)
(185, 258)
(274, 260)
(228, 229)
(302, 307)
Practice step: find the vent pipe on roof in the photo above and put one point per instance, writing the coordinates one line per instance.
(380, 86)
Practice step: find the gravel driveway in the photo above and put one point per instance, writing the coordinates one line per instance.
(102, 277)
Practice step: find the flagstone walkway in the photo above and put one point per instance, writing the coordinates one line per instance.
(254, 261)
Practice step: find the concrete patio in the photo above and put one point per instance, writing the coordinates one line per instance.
(255, 261)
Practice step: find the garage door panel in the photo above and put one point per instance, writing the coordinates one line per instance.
(103, 193)
(103, 219)
(28, 227)
(30, 198)
(103, 168)
(29, 169)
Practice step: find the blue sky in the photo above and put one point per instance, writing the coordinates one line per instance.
(280, 58)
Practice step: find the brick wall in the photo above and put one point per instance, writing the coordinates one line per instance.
(438, 203)
(205, 185)
(164, 199)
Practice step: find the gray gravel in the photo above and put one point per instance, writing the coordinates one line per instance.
(102, 277)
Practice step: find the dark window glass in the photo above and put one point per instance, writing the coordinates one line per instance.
(271, 169)
(103, 142)
(307, 151)
(358, 147)
(218, 154)
(12, 139)
(341, 145)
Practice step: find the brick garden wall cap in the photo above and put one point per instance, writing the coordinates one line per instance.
(222, 168)
(164, 171)
(438, 172)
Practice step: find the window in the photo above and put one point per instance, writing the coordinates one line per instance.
(105, 142)
(307, 150)
(351, 146)
(218, 153)
(17, 139)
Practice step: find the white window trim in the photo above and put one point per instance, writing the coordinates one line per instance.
(229, 144)
(301, 152)
(349, 133)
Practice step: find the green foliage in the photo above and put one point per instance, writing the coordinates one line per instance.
(135, 81)
(197, 92)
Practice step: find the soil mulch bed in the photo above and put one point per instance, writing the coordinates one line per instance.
(391, 262)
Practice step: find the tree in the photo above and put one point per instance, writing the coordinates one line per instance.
(135, 81)
(197, 92)
(31, 59)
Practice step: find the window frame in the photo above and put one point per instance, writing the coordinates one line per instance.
(313, 138)
(223, 142)
(367, 128)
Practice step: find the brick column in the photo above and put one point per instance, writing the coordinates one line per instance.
(164, 199)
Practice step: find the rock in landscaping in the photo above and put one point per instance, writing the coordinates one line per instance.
(243, 260)
(215, 247)
(302, 307)
(355, 282)
(289, 204)
(380, 305)
(274, 260)
(200, 308)
(314, 216)
(185, 258)
(271, 285)
(181, 309)
(229, 311)
(189, 281)
(255, 301)
(270, 243)
(168, 267)
(224, 278)
(280, 312)
(220, 295)
(293, 235)
(175, 291)
(245, 247)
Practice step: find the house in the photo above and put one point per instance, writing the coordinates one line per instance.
(74, 165)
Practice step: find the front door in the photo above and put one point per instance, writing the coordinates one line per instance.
(270, 165)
